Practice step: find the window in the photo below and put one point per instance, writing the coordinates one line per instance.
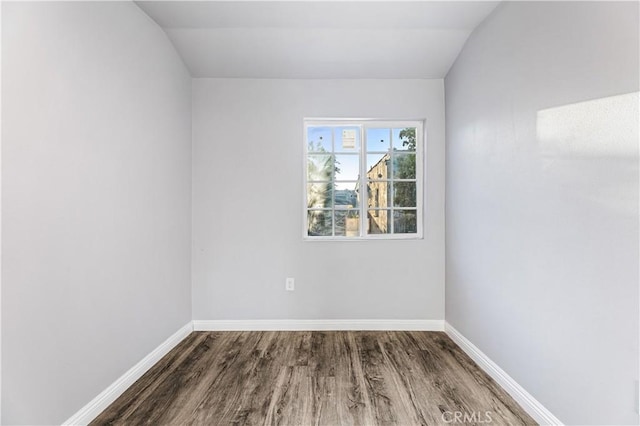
(363, 179)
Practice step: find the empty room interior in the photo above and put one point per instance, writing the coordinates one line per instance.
(320, 213)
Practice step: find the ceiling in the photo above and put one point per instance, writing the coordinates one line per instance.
(318, 39)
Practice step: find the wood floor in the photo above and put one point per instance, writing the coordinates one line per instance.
(315, 378)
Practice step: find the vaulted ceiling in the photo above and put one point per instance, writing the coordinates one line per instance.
(317, 39)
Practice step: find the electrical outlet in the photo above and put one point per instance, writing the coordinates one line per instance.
(290, 284)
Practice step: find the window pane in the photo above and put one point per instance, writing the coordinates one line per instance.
(378, 222)
(378, 166)
(404, 139)
(378, 140)
(319, 195)
(404, 166)
(319, 223)
(347, 139)
(404, 222)
(347, 223)
(404, 194)
(319, 139)
(378, 194)
(347, 167)
(319, 167)
(346, 195)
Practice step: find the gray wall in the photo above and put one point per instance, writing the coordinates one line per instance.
(542, 202)
(247, 211)
(96, 155)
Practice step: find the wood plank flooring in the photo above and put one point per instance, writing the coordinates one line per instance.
(315, 378)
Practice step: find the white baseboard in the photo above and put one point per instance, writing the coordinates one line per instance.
(110, 394)
(534, 408)
(316, 325)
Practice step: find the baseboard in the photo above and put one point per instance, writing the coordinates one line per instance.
(316, 325)
(110, 394)
(534, 408)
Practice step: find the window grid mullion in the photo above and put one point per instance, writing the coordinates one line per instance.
(392, 185)
(363, 182)
(390, 182)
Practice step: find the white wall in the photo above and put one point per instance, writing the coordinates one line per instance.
(247, 218)
(542, 202)
(96, 201)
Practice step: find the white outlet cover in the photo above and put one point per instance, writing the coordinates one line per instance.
(290, 284)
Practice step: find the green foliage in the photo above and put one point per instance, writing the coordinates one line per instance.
(405, 168)
(408, 137)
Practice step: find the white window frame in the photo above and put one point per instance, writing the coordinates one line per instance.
(362, 125)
